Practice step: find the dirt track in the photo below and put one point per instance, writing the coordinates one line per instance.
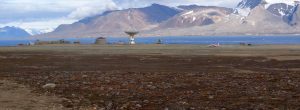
(159, 81)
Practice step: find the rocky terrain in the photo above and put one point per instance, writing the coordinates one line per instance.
(14, 96)
(91, 78)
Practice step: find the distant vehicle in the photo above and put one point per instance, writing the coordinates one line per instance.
(214, 45)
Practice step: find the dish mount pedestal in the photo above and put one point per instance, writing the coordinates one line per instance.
(131, 36)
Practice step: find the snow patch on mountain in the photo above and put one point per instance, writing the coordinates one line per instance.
(249, 4)
(280, 9)
(32, 31)
(293, 17)
(243, 11)
(245, 6)
(187, 13)
(3, 30)
(197, 16)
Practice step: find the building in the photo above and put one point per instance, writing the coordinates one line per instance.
(101, 41)
(76, 42)
(62, 41)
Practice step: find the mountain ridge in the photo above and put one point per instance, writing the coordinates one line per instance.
(160, 20)
(13, 32)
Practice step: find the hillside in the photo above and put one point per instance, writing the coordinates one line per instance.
(12, 32)
(248, 18)
(116, 22)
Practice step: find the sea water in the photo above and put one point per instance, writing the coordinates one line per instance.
(178, 40)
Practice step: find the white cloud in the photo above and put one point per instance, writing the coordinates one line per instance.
(49, 5)
(92, 8)
(224, 3)
(76, 8)
(45, 15)
(141, 3)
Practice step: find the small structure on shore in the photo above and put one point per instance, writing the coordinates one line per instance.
(101, 41)
(131, 36)
(76, 42)
(214, 45)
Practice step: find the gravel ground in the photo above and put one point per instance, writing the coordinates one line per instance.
(103, 79)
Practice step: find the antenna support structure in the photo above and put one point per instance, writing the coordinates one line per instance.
(131, 35)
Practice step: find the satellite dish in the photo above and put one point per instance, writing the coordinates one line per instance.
(131, 35)
(132, 32)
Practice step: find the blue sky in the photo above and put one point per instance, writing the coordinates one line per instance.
(45, 15)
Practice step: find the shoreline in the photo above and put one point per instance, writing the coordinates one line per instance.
(174, 49)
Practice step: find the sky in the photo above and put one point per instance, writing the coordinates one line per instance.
(45, 15)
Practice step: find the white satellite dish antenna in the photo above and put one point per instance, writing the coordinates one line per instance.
(132, 32)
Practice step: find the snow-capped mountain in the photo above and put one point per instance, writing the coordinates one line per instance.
(197, 16)
(38, 31)
(244, 7)
(13, 32)
(249, 4)
(280, 9)
(293, 18)
(258, 18)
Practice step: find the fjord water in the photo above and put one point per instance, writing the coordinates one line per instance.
(180, 40)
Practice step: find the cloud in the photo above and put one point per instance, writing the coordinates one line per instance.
(45, 15)
(142, 3)
(92, 8)
(223, 3)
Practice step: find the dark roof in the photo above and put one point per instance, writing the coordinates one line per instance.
(101, 38)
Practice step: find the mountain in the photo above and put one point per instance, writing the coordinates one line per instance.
(116, 22)
(38, 31)
(259, 22)
(159, 20)
(197, 16)
(280, 9)
(249, 4)
(189, 7)
(264, 21)
(243, 8)
(293, 18)
(13, 32)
